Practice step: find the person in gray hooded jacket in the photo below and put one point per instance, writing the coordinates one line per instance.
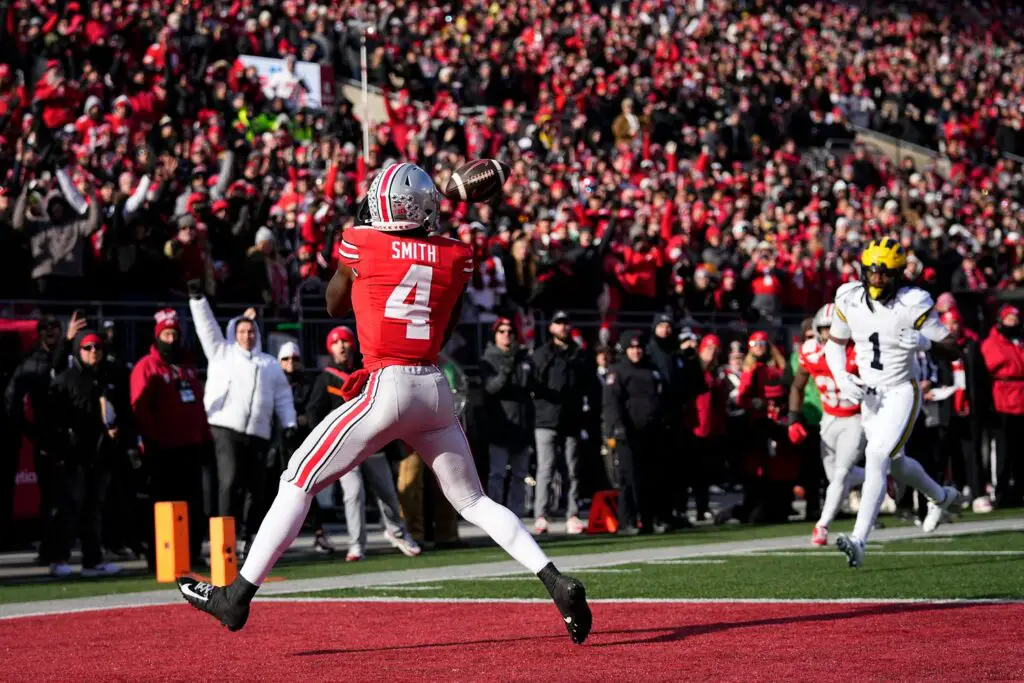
(57, 238)
(245, 388)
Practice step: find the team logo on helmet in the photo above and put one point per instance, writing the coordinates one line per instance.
(403, 196)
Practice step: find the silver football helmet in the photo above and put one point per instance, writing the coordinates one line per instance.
(401, 197)
(823, 318)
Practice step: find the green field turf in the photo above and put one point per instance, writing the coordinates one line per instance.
(47, 589)
(983, 566)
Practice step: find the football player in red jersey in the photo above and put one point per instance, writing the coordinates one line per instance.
(842, 438)
(405, 288)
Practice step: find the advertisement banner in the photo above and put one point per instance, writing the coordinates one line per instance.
(318, 79)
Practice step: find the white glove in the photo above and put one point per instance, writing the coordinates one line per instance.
(912, 340)
(851, 387)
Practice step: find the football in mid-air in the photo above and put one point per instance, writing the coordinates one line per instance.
(477, 181)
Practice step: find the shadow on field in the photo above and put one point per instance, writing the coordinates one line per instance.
(665, 634)
(672, 634)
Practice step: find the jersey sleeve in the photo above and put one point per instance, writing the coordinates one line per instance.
(464, 266)
(351, 247)
(840, 327)
(925, 317)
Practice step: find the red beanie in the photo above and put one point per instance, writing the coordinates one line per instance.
(166, 319)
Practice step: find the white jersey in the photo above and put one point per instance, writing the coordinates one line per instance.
(875, 328)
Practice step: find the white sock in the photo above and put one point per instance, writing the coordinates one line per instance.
(507, 531)
(908, 471)
(279, 528)
(834, 495)
(871, 496)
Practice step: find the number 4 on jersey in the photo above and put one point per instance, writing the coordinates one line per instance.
(417, 313)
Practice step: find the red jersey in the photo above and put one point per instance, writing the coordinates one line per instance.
(404, 293)
(812, 359)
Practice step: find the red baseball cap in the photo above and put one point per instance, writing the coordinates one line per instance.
(340, 333)
(758, 338)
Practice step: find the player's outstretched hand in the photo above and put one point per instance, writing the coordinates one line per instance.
(912, 340)
(851, 387)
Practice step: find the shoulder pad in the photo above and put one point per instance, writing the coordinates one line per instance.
(848, 289)
(915, 297)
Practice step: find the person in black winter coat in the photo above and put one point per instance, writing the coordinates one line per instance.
(560, 377)
(89, 427)
(634, 415)
(25, 400)
(681, 385)
(505, 372)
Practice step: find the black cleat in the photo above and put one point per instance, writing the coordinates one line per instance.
(214, 600)
(571, 600)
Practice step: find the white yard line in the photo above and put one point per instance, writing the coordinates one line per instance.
(567, 563)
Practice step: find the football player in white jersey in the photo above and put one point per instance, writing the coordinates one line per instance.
(888, 322)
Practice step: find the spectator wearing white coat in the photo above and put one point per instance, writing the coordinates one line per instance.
(245, 388)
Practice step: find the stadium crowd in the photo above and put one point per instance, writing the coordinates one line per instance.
(668, 157)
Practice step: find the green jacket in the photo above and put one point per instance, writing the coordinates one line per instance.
(812, 400)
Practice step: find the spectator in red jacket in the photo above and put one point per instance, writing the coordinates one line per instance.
(706, 417)
(1003, 351)
(167, 399)
(58, 98)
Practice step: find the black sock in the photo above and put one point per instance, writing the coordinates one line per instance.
(548, 575)
(241, 591)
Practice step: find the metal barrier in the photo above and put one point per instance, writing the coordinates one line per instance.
(309, 326)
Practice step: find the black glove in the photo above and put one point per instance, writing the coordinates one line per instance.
(195, 289)
(291, 437)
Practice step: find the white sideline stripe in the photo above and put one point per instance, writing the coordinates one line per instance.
(677, 601)
(686, 562)
(568, 562)
(889, 553)
(608, 601)
(402, 588)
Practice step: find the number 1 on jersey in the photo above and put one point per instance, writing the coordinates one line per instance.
(876, 348)
(417, 314)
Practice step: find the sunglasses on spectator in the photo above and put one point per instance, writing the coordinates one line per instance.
(503, 330)
(295, 359)
(92, 347)
(759, 343)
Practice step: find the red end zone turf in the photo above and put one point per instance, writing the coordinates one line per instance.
(333, 641)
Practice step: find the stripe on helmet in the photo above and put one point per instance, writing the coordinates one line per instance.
(383, 195)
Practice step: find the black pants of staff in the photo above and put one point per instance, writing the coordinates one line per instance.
(81, 488)
(182, 473)
(1009, 434)
(241, 470)
(961, 446)
(636, 492)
